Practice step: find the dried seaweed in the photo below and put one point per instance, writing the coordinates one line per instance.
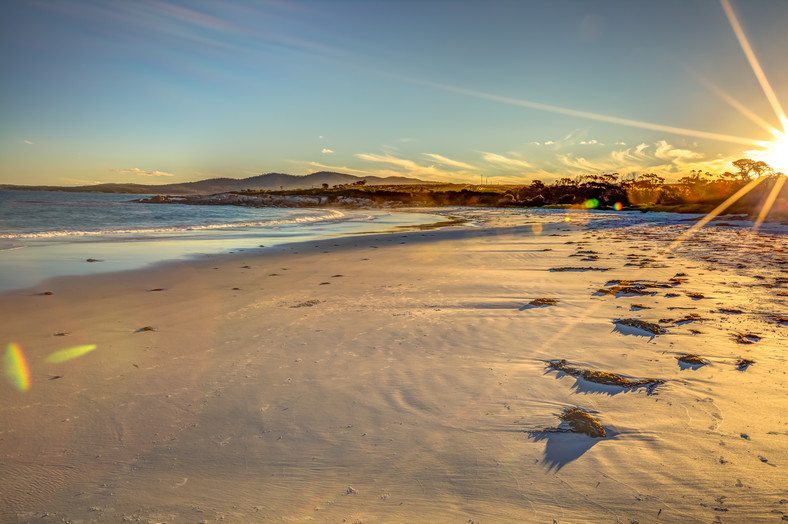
(579, 269)
(581, 422)
(746, 338)
(636, 289)
(539, 302)
(743, 363)
(689, 317)
(640, 324)
(692, 359)
(602, 377)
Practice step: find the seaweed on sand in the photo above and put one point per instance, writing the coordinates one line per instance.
(602, 377)
(640, 324)
(626, 290)
(743, 363)
(579, 269)
(689, 317)
(581, 422)
(746, 338)
(539, 302)
(692, 359)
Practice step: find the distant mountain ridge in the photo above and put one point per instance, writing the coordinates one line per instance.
(269, 181)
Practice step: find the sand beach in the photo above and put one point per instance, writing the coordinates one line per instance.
(410, 377)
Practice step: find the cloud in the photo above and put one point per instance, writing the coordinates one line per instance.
(549, 143)
(580, 163)
(536, 143)
(81, 181)
(28, 142)
(494, 158)
(591, 142)
(411, 168)
(448, 161)
(337, 169)
(676, 156)
(142, 172)
(326, 151)
(659, 157)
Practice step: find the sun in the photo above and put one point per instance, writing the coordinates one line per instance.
(775, 153)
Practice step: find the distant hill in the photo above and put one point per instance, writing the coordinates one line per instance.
(269, 181)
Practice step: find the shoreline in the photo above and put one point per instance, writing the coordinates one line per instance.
(402, 377)
(37, 259)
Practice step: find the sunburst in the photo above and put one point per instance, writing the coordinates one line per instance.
(774, 153)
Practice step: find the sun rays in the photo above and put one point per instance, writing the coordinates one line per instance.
(774, 153)
(754, 64)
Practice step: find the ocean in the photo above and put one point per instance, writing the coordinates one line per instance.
(46, 234)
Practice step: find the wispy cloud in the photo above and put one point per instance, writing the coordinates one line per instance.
(326, 151)
(448, 161)
(28, 142)
(501, 160)
(675, 155)
(81, 181)
(142, 172)
(337, 169)
(410, 168)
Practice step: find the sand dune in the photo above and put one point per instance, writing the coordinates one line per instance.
(414, 387)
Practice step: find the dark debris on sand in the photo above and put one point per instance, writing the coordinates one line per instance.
(539, 302)
(746, 338)
(689, 317)
(641, 324)
(579, 269)
(692, 359)
(581, 422)
(602, 377)
(743, 363)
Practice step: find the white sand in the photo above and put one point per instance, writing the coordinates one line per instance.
(400, 378)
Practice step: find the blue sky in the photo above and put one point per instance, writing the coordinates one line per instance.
(163, 91)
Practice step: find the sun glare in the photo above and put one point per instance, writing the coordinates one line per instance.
(775, 153)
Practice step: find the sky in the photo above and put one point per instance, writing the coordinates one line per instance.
(502, 92)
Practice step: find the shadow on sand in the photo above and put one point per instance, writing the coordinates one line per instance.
(563, 447)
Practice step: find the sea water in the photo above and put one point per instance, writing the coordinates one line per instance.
(45, 234)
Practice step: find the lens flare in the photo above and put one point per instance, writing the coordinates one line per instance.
(69, 354)
(591, 203)
(618, 206)
(16, 370)
(775, 153)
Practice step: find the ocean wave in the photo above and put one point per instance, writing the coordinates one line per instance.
(326, 216)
